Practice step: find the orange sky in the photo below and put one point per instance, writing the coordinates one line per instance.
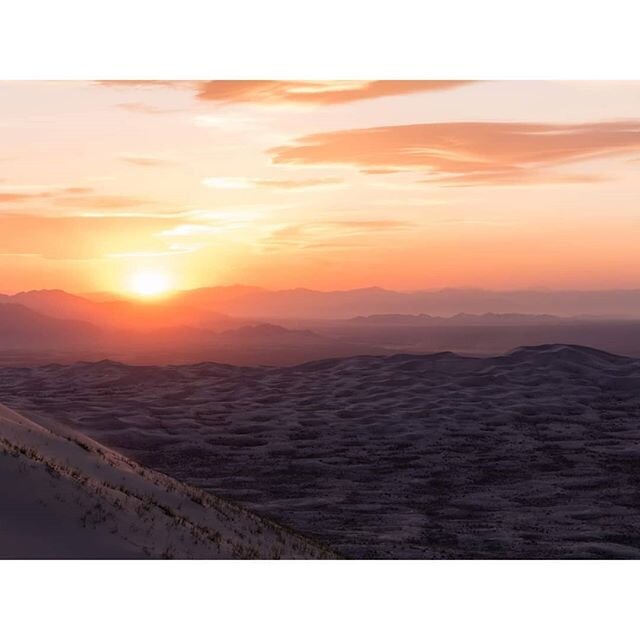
(329, 185)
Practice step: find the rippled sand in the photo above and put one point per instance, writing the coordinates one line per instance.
(534, 454)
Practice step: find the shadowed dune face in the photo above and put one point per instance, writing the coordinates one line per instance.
(533, 454)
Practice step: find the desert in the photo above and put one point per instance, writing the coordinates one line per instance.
(531, 454)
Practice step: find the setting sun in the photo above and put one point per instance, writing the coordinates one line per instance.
(149, 283)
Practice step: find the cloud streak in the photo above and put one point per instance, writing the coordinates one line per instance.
(314, 93)
(278, 92)
(20, 195)
(329, 232)
(467, 152)
(145, 109)
(68, 199)
(146, 161)
(219, 182)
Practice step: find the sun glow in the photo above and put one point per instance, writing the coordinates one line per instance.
(149, 283)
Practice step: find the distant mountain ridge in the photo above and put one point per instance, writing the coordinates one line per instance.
(251, 326)
(463, 319)
(308, 303)
(21, 326)
(268, 331)
(118, 312)
(28, 336)
(213, 305)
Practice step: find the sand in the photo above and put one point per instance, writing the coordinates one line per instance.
(533, 454)
(64, 496)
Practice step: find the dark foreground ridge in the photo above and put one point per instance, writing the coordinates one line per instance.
(532, 454)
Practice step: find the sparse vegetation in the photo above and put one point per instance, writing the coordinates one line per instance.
(139, 510)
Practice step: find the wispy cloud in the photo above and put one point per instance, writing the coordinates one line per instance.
(294, 185)
(27, 193)
(207, 223)
(147, 84)
(10, 254)
(226, 182)
(192, 230)
(145, 109)
(274, 92)
(133, 214)
(18, 197)
(269, 183)
(314, 92)
(67, 198)
(100, 201)
(173, 250)
(329, 232)
(146, 161)
(189, 214)
(468, 152)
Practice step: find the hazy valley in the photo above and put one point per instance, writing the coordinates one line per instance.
(249, 326)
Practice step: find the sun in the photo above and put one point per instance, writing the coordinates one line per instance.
(148, 284)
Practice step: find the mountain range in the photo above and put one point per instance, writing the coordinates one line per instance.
(248, 325)
(212, 305)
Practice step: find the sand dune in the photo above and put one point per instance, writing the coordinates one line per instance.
(64, 496)
(535, 453)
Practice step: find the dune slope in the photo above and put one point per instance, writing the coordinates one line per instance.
(63, 495)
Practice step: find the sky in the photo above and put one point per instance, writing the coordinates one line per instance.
(322, 184)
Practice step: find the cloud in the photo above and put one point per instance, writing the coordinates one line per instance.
(225, 182)
(79, 237)
(134, 214)
(146, 161)
(98, 201)
(147, 109)
(190, 214)
(173, 250)
(68, 198)
(314, 92)
(9, 254)
(330, 232)
(26, 193)
(146, 84)
(309, 92)
(468, 152)
(298, 184)
(191, 230)
(18, 197)
(202, 223)
(369, 225)
(251, 183)
(518, 177)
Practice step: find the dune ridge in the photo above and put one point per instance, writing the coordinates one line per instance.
(63, 495)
